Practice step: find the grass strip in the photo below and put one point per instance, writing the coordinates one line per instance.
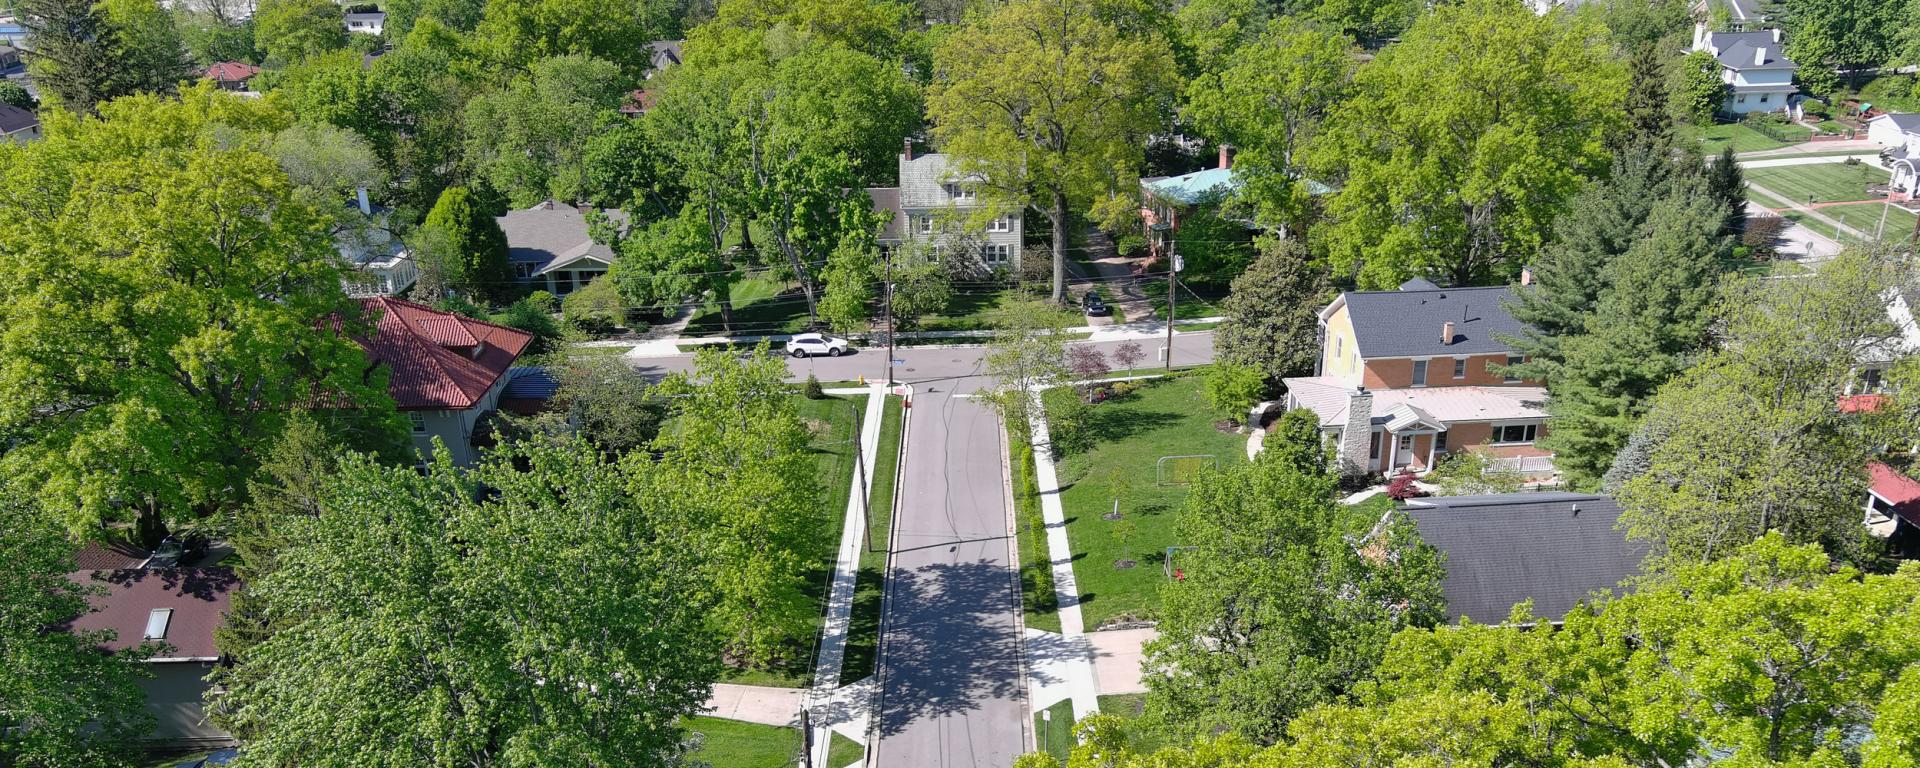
(1036, 565)
(1053, 732)
(869, 591)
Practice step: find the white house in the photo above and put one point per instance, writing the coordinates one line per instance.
(1758, 74)
(445, 371)
(1900, 134)
(366, 23)
(382, 265)
(550, 243)
(935, 204)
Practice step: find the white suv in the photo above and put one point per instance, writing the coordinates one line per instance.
(810, 344)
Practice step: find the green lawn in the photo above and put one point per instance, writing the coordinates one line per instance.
(1866, 218)
(1833, 126)
(600, 351)
(869, 592)
(1053, 734)
(1193, 301)
(970, 308)
(1130, 707)
(736, 744)
(1745, 138)
(1822, 182)
(1036, 565)
(761, 305)
(1163, 418)
(835, 422)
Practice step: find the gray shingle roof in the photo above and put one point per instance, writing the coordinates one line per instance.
(1907, 122)
(549, 237)
(1737, 50)
(14, 119)
(1408, 323)
(887, 201)
(1553, 548)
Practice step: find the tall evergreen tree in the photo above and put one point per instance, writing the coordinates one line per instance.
(1569, 276)
(1271, 324)
(1728, 185)
(1649, 119)
(1651, 317)
(72, 59)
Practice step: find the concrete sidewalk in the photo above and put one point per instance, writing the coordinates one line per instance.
(756, 704)
(833, 635)
(1814, 147)
(1068, 672)
(1117, 656)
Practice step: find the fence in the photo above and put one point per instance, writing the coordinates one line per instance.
(1524, 465)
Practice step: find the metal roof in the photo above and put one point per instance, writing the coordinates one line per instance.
(1553, 548)
(198, 598)
(439, 360)
(1408, 323)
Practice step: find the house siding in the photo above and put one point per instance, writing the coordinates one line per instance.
(1340, 339)
(455, 428)
(1398, 374)
(175, 695)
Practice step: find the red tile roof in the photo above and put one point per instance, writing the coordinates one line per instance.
(1889, 484)
(198, 597)
(232, 71)
(637, 102)
(1861, 403)
(439, 360)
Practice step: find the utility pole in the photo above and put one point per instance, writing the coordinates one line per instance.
(888, 258)
(1173, 285)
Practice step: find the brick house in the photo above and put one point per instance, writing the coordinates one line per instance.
(1406, 376)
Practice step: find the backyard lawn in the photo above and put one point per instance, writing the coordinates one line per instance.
(1118, 563)
(1866, 218)
(735, 744)
(1818, 182)
(1745, 138)
(835, 422)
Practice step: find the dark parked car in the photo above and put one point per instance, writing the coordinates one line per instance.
(177, 550)
(1094, 305)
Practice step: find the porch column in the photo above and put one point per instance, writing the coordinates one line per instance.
(1393, 447)
(1433, 442)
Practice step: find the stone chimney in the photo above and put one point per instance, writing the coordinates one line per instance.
(1446, 332)
(366, 206)
(1226, 156)
(1356, 439)
(906, 150)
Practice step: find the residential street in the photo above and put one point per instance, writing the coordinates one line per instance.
(936, 364)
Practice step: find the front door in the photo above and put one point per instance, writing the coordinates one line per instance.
(1403, 453)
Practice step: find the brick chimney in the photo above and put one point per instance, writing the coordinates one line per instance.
(906, 150)
(1356, 439)
(1446, 332)
(1226, 156)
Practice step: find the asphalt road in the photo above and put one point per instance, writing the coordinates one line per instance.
(929, 366)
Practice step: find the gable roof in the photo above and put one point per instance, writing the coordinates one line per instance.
(1553, 548)
(1745, 50)
(1896, 489)
(552, 236)
(666, 53)
(197, 597)
(1907, 122)
(1196, 187)
(98, 557)
(888, 199)
(1407, 323)
(439, 360)
(231, 71)
(14, 119)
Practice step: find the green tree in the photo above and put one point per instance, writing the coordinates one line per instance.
(1460, 145)
(1272, 323)
(534, 314)
(475, 247)
(678, 259)
(211, 37)
(1216, 248)
(1649, 116)
(513, 34)
(1606, 218)
(1232, 390)
(424, 85)
(613, 403)
(1209, 32)
(147, 49)
(335, 88)
(1028, 354)
(1649, 321)
(1277, 611)
(527, 140)
(921, 288)
(210, 276)
(1750, 440)
(734, 456)
(1727, 185)
(1295, 438)
(1636, 25)
(883, 29)
(64, 702)
(1046, 100)
(1697, 91)
(12, 95)
(596, 308)
(75, 63)
(1374, 21)
(291, 31)
(552, 618)
(1271, 95)
(627, 167)
(848, 304)
(1830, 37)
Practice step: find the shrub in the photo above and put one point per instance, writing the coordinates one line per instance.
(596, 309)
(1068, 421)
(1401, 487)
(812, 389)
(1815, 108)
(527, 315)
(1232, 390)
(1762, 234)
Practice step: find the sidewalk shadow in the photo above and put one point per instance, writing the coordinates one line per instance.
(951, 646)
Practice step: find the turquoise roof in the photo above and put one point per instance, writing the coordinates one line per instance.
(1198, 186)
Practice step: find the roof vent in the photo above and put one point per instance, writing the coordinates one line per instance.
(1576, 509)
(157, 621)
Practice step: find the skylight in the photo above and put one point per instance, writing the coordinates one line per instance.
(157, 623)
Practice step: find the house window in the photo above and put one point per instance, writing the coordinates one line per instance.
(1514, 433)
(926, 225)
(960, 192)
(157, 621)
(1459, 367)
(1000, 224)
(1336, 346)
(1419, 373)
(1764, 97)
(997, 254)
(1439, 442)
(939, 252)
(1373, 446)
(1513, 360)
(1741, 99)
(523, 270)
(419, 422)
(1870, 380)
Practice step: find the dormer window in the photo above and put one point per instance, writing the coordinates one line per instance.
(157, 621)
(959, 191)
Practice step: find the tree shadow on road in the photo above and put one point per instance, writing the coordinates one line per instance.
(951, 646)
